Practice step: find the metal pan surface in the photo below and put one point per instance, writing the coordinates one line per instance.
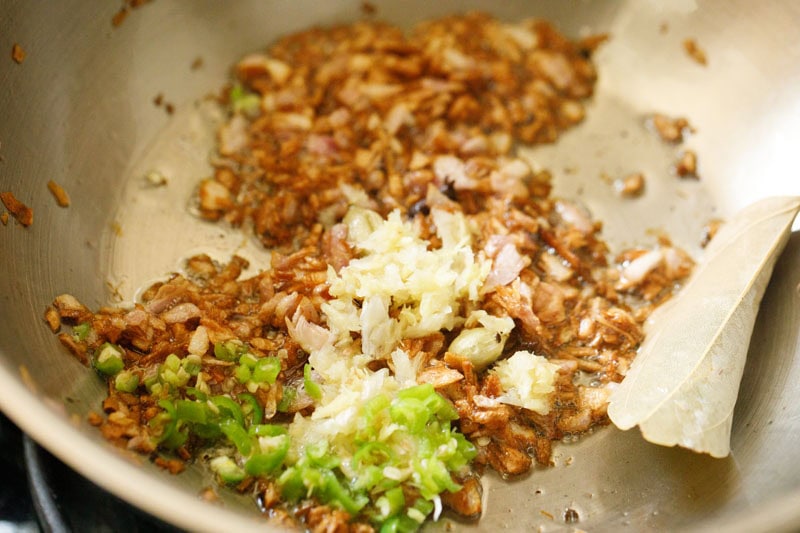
(78, 110)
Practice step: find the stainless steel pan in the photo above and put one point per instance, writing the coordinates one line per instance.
(79, 110)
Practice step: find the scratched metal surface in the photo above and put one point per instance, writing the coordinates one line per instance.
(79, 110)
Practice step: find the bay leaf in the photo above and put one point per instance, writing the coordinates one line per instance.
(682, 387)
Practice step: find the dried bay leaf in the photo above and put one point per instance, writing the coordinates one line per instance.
(682, 387)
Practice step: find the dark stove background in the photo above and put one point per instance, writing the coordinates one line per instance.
(38, 493)
(16, 505)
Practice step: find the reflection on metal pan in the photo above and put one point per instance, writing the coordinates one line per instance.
(78, 110)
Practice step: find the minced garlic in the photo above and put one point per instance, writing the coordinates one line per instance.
(527, 380)
(399, 288)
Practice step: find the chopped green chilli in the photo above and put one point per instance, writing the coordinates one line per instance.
(362, 373)
(108, 359)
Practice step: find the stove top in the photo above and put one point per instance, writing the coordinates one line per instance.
(17, 513)
(38, 493)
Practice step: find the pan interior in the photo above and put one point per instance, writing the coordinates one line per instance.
(103, 135)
